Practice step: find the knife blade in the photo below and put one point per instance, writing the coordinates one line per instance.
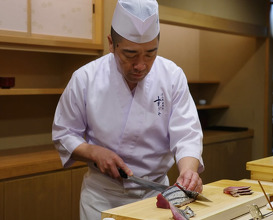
(201, 197)
(143, 182)
(161, 187)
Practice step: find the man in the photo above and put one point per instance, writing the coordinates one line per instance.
(129, 109)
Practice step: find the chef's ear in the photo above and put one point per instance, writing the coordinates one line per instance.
(110, 42)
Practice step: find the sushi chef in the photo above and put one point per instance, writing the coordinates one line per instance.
(130, 109)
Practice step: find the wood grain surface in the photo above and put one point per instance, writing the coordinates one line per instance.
(30, 160)
(222, 207)
(261, 169)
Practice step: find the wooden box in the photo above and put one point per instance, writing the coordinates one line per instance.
(261, 169)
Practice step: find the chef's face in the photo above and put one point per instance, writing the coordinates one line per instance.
(134, 61)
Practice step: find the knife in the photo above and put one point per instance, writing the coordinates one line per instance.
(143, 182)
(161, 187)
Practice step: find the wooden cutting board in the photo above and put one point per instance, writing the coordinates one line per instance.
(222, 207)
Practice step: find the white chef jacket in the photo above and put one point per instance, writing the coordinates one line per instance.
(146, 129)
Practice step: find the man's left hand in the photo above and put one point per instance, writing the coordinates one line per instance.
(191, 181)
(189, 177)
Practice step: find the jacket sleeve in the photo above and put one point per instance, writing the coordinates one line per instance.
(69, 123)
(184, 127)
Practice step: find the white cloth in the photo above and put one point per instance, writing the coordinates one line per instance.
(145, 129)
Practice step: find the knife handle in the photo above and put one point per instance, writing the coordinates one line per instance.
(122, 173)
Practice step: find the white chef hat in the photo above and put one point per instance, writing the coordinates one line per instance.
(136, 20)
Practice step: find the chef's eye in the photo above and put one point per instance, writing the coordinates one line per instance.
(130, 55)
(151, 54)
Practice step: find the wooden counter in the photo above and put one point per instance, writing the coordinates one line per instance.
(32, 181)
(24, 172)
(217, 136)
(261, 169)
(38, 159)
(30, 160)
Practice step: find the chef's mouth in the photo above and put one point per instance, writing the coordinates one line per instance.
(139, 74)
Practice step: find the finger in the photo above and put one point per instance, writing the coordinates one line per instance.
(119, 164)
(193, 182)
(199, 188)
(186, 182)
(114, 173)
(200, 185)
(126, 169)
(108, 167)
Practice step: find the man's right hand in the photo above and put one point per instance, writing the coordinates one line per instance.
(106, 160)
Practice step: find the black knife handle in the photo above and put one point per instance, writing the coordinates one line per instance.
(122, 173)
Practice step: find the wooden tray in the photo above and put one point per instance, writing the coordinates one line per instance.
(223, 207)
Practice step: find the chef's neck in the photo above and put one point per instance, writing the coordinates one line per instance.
(131, 86)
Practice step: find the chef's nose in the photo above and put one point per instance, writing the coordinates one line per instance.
(140, 64)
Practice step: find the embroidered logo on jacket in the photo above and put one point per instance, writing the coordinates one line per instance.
(160, 104)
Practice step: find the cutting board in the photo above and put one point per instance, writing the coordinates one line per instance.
(222, 207)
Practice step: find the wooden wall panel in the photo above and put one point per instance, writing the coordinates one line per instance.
(1, 200)
(40, 197)
(239, 64)
(77, 176)
(226, 160)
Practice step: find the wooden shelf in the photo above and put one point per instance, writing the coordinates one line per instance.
(180, 17)
(217, 136)
(201, 82)
(51, 44)
(31, 91)
(210, 107)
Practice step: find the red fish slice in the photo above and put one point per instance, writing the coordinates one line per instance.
(162, 202)
(238, 190)
(178, 214)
